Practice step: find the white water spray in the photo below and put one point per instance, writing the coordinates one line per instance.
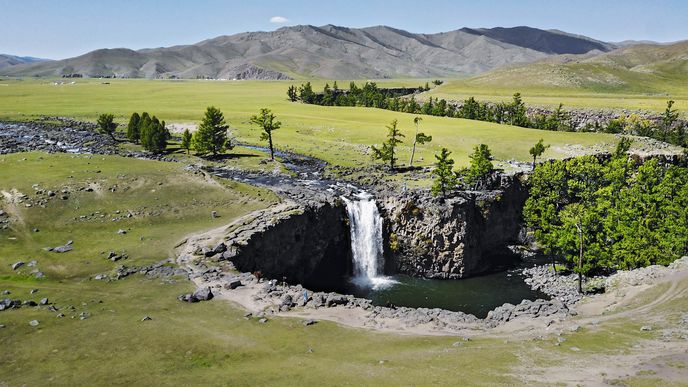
(366, 241)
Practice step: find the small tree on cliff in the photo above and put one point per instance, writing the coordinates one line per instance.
(268, 123)
(537, 150)
(420, 138)
(387, 153)
(445, 178)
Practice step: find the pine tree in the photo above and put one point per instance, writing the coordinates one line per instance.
(537, 150)
(211, 136)
(106, 125)
(154, 135)
(420, 138)
(387, 152)
(266, 120)
(445, 178)
(186, 140)
(134, 128)
(291, 93)
(480, 164)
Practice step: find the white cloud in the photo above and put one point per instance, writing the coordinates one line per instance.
(279, 20)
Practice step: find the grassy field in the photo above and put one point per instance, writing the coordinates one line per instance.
(206, 343)
(571, 97)
(339, 135)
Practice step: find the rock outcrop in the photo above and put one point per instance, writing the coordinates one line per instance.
(306, 245)
(457, 237)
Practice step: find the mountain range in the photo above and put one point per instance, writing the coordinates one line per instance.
(326, 52)
(11, 60)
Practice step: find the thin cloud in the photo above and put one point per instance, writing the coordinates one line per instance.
(279, 20)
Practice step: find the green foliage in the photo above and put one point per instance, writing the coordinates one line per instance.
(480, 165)
(537, 150)
(626, 215)
(106, 125)
(186, 140)
(420, 138)
(154, 135)
(211, 136)
(306, 93)
(517, 112)
(623, 146)
(266, 120)
(292, 93)
(445, 178)
(134, 128)
(387, 154)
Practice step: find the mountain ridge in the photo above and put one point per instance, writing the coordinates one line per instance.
(327, 51)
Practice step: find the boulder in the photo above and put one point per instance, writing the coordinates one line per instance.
(233, 283)
(203, 294)
(17, 265)
(34, 323)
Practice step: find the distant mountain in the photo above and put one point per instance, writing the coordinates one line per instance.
(11, 60)
(326, 52)
(642, 68)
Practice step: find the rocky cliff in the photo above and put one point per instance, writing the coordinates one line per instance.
(454, 238)
(310, 246)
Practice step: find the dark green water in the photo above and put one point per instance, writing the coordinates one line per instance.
(475, 295)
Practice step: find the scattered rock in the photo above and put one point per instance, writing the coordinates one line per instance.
(44, 301)
(233, 284)
(34, 323)
(309, 322)
(263, 320)
(17, 265)
(203, 294)
(121, 231)
(146, 318)
(645, 328)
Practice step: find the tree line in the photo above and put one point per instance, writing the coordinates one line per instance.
(668, 128)
(601, 215)
(211, 138)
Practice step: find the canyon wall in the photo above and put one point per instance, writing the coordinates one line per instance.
(454, 238)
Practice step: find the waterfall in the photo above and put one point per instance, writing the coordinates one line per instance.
(366, 241)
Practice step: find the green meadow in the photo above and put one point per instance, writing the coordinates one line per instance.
(208, 343)
(339, 135)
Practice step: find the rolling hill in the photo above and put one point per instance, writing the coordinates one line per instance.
(326, 52)
(642, 68)
(11, 60)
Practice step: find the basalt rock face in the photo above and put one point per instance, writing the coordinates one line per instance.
(454, 238)
(309, 247)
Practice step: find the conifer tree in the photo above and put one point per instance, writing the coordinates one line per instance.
(134, 128)
(387, 153)
(445, 178)
(211, 136)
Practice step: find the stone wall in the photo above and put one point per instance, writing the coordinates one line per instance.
(454, 238)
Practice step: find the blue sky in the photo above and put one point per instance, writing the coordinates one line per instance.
(60, 29)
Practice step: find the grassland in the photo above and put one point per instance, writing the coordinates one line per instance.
(637, 77)
(209, 343)
(339, 135)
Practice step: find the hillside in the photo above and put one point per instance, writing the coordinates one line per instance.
(643, 68)
(11, 60)
(326, 52)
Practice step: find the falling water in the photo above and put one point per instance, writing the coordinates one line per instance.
(366, 241)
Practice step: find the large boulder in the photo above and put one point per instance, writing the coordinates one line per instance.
(203, 294)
